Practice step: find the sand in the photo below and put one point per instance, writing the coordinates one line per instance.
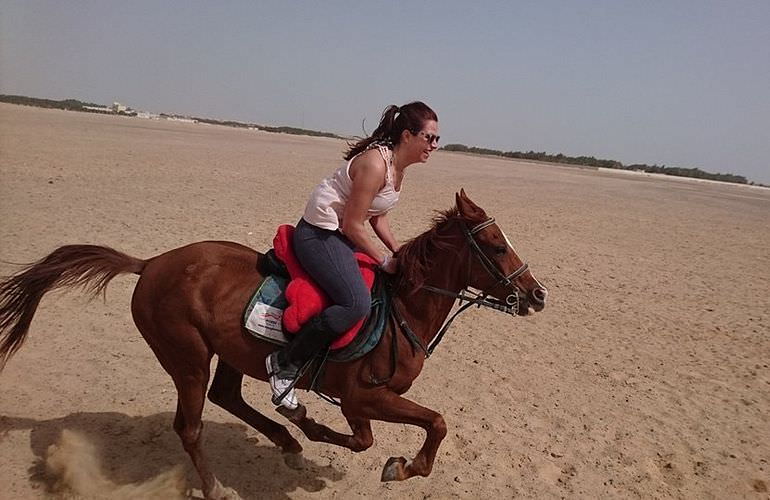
(646, 376)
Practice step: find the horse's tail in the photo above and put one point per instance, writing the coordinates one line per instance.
(88, 266)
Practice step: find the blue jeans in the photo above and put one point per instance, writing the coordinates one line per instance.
(327, 256)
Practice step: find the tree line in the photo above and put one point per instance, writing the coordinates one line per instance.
(68, 104)
(76, 105)
(265, 128)
(590, 161)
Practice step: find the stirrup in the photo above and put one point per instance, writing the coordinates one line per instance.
(287, 398)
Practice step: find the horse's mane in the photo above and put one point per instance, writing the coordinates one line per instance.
(414, 257)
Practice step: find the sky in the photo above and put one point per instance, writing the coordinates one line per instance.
(679, 83)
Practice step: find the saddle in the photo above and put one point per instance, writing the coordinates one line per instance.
(306, 299)
(288, 297)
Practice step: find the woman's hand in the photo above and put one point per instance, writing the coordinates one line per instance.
(389, 264)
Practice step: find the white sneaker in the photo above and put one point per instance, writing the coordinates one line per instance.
(279, 386)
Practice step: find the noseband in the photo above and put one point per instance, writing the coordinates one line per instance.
(480, 299)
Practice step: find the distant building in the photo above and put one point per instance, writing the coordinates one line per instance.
(119, 108)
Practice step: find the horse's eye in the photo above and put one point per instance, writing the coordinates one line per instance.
(500, 250)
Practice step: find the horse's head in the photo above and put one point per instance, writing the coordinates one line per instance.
(495, 267)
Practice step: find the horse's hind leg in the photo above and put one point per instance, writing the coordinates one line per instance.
(225, 391)
(186, 358)
(188, 425)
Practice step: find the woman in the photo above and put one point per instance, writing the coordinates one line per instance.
(366, 188)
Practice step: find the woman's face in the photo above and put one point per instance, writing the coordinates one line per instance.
(419, 146)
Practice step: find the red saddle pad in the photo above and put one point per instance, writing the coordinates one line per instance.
(305, 298)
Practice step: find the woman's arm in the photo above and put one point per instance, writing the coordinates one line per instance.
(368, 175)
(381, 226)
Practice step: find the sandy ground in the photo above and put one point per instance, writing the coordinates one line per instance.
(646, 376)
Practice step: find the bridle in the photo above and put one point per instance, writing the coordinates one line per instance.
(511, 303)
(480, 299)
(512, 300)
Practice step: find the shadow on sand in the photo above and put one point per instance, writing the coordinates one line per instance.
(135, 449)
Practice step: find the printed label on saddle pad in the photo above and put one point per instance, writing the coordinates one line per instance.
(264, 313)
(265, 320)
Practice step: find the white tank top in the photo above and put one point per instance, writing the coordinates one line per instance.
(327, 202)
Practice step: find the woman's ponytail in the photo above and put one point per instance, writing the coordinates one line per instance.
(393, 122)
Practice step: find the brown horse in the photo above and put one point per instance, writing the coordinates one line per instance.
(188, 305)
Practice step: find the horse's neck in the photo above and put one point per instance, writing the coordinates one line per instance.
(426, 311)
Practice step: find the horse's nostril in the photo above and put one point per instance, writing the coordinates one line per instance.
(540, 294)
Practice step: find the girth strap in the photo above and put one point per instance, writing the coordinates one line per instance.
(400, 324)
(408, 332)
(393, 359)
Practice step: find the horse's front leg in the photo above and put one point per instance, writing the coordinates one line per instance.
(390, 407)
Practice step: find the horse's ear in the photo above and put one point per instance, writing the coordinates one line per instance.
(467, 208)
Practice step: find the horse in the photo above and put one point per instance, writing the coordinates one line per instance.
(188, 305)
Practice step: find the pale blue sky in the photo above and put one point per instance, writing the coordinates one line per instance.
(681, 83)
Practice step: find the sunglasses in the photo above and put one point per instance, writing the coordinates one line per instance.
(431, 138)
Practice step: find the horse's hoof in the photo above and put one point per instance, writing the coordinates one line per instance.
(294, 415)
(231, 494)
(292, 448)
(294, 461)
(394, 469)
(219, 492)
